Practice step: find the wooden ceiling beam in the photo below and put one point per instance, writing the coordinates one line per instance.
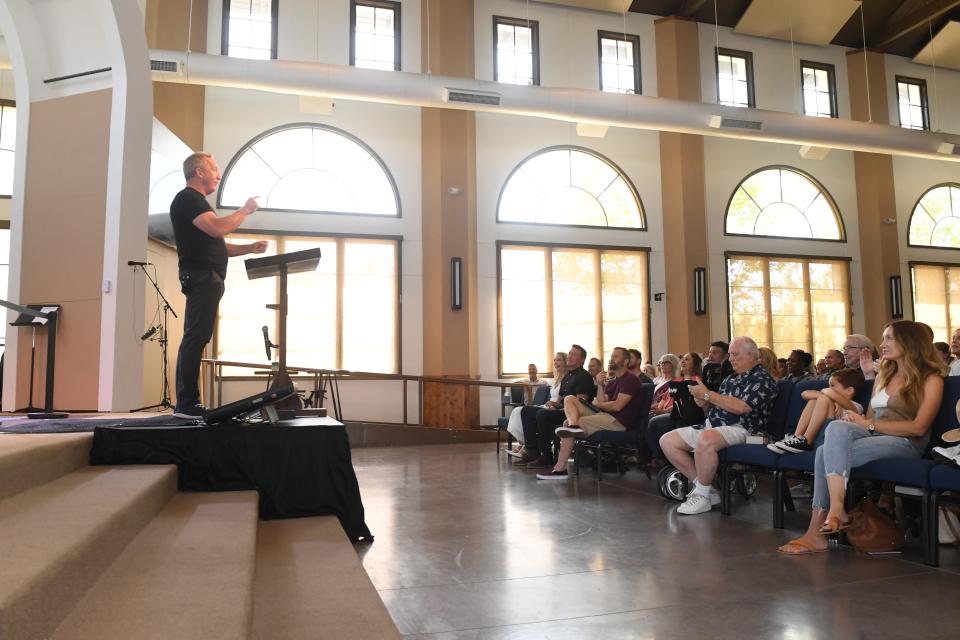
(690, 7)
(893, 31)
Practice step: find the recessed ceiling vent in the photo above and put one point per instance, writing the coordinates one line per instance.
(722, 122)
(467, 96)
(165, 66)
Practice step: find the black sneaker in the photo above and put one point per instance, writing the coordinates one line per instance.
(194, 412)
(794, 444)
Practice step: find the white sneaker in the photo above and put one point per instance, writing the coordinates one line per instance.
(714, 497)
(696, 503)
(949, 454)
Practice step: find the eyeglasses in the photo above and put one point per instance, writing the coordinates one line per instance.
(850, 348)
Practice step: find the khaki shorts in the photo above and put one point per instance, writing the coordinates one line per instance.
(732, 434)
(591, 421)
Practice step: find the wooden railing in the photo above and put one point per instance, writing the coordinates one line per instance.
(326, 383)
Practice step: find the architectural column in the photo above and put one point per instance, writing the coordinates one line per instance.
(682, 183)
(449, 227)
(178, 106)
(876, 197)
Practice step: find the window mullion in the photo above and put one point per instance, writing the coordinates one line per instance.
(338, 356)
(767, 301)
(946, 298)
(598, 298)
(548, 296)
(809, 298)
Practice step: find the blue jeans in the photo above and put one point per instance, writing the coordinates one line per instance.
(845, 446)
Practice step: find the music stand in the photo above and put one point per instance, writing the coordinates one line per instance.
(34, 315)
(281, 266)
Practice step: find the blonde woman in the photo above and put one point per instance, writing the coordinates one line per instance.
(515, 426)
(769, 361)
(669, 371)
(906, 397)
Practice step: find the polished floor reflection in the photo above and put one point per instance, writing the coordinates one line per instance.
(469, 547)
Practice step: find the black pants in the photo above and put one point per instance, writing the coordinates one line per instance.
(538, 427)
(203, 290)
(656, 428)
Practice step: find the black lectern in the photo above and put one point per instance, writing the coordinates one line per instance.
(35, 315)
(282, 265)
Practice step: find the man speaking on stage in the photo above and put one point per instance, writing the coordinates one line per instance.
(203, 257)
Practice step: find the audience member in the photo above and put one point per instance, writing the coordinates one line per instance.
(515, 424)
(859, 353)
(741, 407)
(684, 411)
(649, 372)
(833, 362)
(539, 423)
(616, 408)
(821, 367)
(769, 361)
(944, 349)
(783, 367)
(955, 351)
(594, 367)
(906, 398)
(669, 370)
(798, 366)
(636, 366)
(717, 368)
(829, 403)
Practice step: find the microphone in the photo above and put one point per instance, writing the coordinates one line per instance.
(131, 263)
(267, 344)
(149, 332)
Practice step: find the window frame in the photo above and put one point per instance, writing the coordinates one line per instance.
(500, 244)
(817, 183)
(274, 234)
(913, 212)
(377, 4)
(807, 258)
(225, 28)
(599, 156)
(620, 37)
(831, 84)
(751, 88)
(913, 292)
(924, 100)
(314, 125)
(534, 26)
(4, 102)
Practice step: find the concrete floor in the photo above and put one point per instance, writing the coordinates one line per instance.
(469, 547)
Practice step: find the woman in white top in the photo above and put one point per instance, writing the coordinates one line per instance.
(515, 426)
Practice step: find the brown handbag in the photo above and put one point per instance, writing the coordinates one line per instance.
(872, 531)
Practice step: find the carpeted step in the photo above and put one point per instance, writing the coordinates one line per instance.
(188, 574)
(59, 537)
(28, 461)
(311, 584)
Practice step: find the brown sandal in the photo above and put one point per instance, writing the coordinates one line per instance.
(833, 525)
(806, 548)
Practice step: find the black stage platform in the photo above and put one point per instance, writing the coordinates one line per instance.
(300, 467)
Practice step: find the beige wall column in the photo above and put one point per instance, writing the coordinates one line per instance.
(178, 106)
(449, 222)
(682, 184)
(876, 197)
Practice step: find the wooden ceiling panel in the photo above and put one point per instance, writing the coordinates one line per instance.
(813, 22)
(944, 49)
(613, 6)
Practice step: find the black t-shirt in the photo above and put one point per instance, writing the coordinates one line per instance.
(197, 250)
(714, 374)
(578, 381)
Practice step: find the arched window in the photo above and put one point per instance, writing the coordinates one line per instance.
(310, 167)
(935, 221)
(570, 186)
(783, 202)
(8, 144)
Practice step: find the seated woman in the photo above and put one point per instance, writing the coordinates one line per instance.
(906, 398)
(669, 372)
(515, 426)
(691, 366)
(770, 362)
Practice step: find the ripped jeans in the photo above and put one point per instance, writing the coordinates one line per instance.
(845, 446)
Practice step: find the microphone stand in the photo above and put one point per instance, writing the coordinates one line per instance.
(165, 400)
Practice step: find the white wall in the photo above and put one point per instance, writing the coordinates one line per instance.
(943, 92)
(568, 41)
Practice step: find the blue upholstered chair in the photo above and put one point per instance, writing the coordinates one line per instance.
(615, 441)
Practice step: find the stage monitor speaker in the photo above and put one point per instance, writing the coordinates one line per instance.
(229, 412)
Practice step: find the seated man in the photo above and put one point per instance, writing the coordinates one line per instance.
(616, 409)
(635, 365)
(539, 423)
(833, 362)
(717, 366)
(741, 407)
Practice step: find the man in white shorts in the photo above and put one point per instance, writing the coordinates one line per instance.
(741, 407)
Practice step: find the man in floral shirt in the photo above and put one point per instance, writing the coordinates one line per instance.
(740, 408)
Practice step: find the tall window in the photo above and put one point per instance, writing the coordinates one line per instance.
(8, 144)
(310, 167)
(516, 50)
(819, 89)
(735, 78)
(936, 297)
(789, 303)
(935, 221)
(344, 315)
(570, 186)
(375, 34)
(552, 297)
(249, 29)
(619, 62)
(912, 103)
(783, 202)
